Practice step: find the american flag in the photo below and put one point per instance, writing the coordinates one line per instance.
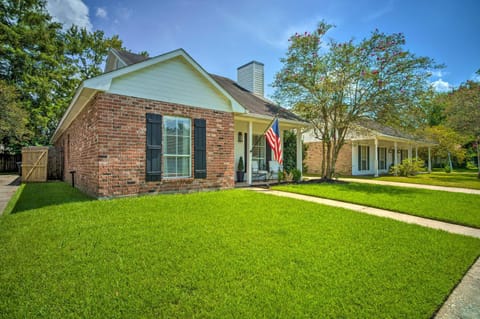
(273, 139)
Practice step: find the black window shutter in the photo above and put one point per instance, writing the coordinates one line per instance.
(200, 148)
(154, 147)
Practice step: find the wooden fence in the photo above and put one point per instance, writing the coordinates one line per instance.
(8, 162)
(34, 164)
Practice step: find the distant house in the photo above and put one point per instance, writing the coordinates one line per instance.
(370, 149)
(164, 124)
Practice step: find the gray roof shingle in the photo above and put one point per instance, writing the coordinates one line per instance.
(254, 103)
(131, 58)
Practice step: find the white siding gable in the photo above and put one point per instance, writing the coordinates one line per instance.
(174, 81)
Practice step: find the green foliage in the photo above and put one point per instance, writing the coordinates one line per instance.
(281, 176)
(408, 167)
(447, 168)
(448, 141)
(290, 151)
(240, 167)
(456, 208)
(343, 82)
(296, 175)
(13, 119)
(45, 63)
(221, 255)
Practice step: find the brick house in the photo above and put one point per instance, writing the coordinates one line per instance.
(163, 124)
(370, 149)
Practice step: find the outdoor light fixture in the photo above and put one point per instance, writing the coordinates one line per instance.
(240, 137)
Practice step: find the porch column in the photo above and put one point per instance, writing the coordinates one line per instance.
(429, 161)
(375, 164)
(416, 152)
(395, 156)
(249, 148)
(299, 150)
(410, 151)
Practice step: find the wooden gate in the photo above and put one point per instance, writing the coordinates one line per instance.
(34, 164)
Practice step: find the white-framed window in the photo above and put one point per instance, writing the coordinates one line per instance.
(382, 158)
(363, 157)
(258, 151)
(177, 156)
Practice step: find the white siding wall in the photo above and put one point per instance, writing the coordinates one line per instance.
(171, 81)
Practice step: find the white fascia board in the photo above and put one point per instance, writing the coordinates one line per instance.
(262, 118)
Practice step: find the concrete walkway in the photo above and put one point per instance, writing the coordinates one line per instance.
(464, 301)
(431, 187)
(8, 187)
(451, 228)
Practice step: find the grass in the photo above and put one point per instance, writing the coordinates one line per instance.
(456, 208)
(229, 254)
(454, 179)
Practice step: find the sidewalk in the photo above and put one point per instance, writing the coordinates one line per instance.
(431, 187)
(464, 301)
(8, 187)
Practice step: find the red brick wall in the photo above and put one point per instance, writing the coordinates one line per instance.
(80, 150)
(120, 143)
(313, 159)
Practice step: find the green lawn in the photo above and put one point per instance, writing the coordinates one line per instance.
(453, 179)
(229, 254)
(456, 208)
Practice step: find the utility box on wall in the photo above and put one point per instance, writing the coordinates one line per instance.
(34, 164)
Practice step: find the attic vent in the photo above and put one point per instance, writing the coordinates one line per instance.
(250, 76)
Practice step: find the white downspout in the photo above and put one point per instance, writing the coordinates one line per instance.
(429, 161)
(395, 157)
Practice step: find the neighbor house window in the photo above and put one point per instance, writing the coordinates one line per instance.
(258, 151)
(363, 158)
(382, 158)
(176, 146)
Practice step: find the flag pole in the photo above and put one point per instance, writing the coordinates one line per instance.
(268, 127)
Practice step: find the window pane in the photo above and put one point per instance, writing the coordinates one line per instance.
(171, 145)
(177, 149)
(183, 166)
(183, 145)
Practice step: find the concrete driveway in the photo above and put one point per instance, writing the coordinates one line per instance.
(8, 186)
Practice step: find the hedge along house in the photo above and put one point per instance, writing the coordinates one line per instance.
(370, 149)
(164, 124)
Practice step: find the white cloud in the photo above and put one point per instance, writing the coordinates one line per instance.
(101, 13)
(380, 12)
(441, 86)
(70, 12)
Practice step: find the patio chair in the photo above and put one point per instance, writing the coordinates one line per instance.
(258, 175)
(275, 167)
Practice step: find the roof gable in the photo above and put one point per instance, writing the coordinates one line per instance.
(173, 80)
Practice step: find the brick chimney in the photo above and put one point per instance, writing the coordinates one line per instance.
(250, 76)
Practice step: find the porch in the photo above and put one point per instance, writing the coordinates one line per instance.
(250, 144)
(375, 156)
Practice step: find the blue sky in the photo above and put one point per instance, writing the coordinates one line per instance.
(222, 35)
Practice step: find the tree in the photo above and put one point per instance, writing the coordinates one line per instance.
(13, 118)
(45, 63)
(334, 85)
(463, 113)
(449, 143)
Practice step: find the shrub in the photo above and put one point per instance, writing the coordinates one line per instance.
(447, 168)
(408, 167)
(296, 175)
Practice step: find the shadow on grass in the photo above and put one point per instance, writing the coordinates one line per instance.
(37, 195)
